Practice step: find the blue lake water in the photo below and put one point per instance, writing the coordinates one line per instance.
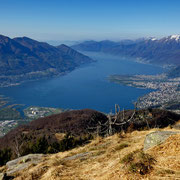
(85, 87)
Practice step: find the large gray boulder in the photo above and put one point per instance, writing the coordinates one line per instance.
(156, 138)
(23, 162)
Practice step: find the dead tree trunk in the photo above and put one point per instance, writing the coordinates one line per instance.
(113, 121)
(110, 131)
(18, 143)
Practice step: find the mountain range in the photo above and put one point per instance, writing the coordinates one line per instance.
(23, 58)
(164, 51)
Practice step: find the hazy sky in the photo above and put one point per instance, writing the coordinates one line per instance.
(89, 19)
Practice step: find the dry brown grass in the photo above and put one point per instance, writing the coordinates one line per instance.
(103, 160)
(168, 157)
(59, 136)
(2, 169)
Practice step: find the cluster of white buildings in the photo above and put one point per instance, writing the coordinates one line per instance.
(167, 91)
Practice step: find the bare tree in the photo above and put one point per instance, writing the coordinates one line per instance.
(18, 143)
(113, 121)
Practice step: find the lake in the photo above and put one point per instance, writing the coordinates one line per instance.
(85, 87)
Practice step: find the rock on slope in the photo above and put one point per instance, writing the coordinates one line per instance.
(83, 122)
(102, 159)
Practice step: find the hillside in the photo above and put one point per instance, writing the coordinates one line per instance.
(73, 122)
(164, 51)
(108, 158)
(25, 59)
(80, 125)
(174, 73)
(87, 144)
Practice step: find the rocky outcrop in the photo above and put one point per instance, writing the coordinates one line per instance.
(156, 138)
(23, 163)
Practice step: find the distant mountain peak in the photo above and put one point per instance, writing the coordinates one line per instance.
(149, 39)
(28, 40)
(2, 36)
(153, 39)
(63, 45)
(176, 37)
(4, 39)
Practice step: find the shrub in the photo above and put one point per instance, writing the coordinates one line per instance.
(121, 146)
(138, 162)
(5, 156)
(70, 142)
(128, 158)
(42, 145)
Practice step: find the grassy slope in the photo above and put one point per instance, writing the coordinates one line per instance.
(104, 160)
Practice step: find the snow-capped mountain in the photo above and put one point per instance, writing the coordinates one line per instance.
(160, 51)
(172, 38)
(176, 37)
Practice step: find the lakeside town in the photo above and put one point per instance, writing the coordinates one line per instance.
(165, 94)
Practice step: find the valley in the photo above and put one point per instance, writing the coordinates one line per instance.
(163, 51)
(89, 90)
(85, 87)
(83, 78)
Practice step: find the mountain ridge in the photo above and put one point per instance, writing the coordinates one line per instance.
(25, 59)
(156, 51)
(86, 121)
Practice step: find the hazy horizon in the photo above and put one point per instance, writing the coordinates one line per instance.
(73, 42)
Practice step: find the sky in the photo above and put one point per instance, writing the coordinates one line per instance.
(74, 20)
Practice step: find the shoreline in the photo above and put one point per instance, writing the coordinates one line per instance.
(165, 94)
